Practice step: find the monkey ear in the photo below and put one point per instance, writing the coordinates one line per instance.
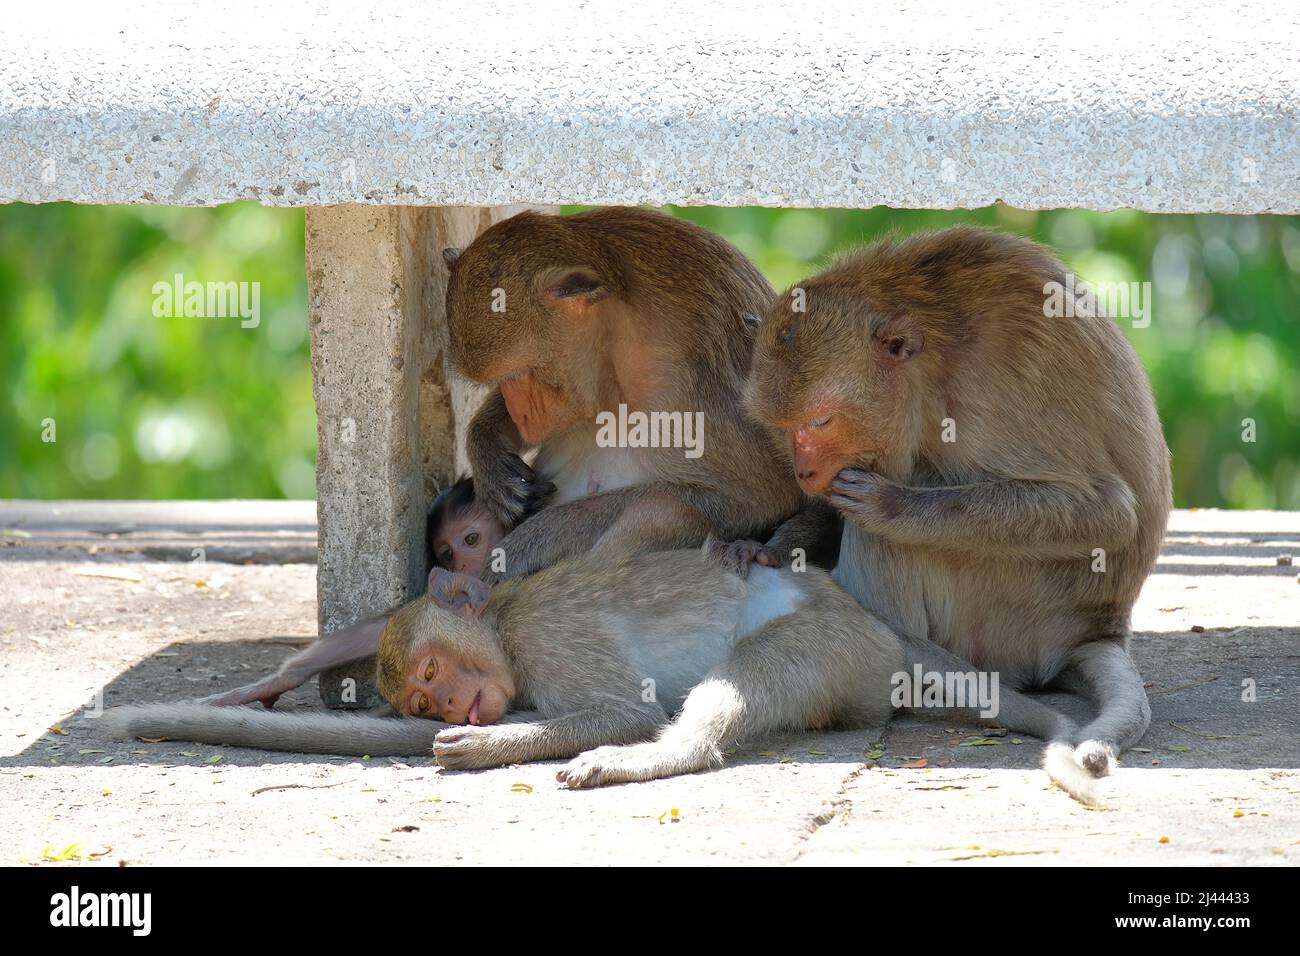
(575, 290)
(461, 594)
(898, 337)
(451, 256)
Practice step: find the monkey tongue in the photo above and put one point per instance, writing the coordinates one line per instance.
(472, 714)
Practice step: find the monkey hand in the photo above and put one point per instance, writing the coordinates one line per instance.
(739, 556)
(869, 500)
(265, 691)
(470, 747)
(508, 487)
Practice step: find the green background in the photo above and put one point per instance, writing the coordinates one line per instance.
(145, 407)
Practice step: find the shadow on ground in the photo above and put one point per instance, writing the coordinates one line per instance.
(1224, 700)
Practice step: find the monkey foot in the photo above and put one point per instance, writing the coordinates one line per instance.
(606, 765)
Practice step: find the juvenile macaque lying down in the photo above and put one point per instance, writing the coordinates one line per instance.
(603, 654)
(461, 533)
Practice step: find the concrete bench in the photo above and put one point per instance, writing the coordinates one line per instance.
(413, 127)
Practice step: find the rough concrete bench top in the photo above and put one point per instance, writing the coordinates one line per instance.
(1218, 774)
(1183, 107)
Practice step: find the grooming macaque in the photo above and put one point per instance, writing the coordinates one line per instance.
(1002, 475)
(604, 652)
(461, 535)
(572, 317)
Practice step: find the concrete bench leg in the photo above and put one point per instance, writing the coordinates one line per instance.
(390, 417)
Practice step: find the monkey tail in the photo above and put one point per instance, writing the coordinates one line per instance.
(1019, 711)
(1069, 774)
(353, 735)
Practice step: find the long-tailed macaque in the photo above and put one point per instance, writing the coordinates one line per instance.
(461, 531)
(604, 651)
(461, 536)
(625, 312)
(618, 341)
(1001, 473)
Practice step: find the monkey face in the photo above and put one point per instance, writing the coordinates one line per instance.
(465, 540)
(443, 686)
(822, 446)
(540, 410)
(443, 662)
(831, 377)
(523, 312)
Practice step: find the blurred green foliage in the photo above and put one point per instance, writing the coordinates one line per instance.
(147, 407)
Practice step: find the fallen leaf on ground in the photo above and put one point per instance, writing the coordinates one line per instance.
(995, 853)
(1197, 733)
(111, 575)
(70, 852)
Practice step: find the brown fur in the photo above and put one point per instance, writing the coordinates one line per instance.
(985, 544)
(601, 308)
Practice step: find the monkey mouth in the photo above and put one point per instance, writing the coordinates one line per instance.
(471, 715)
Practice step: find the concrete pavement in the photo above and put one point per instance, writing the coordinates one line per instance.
(110, 596)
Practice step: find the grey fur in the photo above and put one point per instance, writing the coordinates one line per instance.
(353, 735)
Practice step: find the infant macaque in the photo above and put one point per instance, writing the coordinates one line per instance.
(462, 532)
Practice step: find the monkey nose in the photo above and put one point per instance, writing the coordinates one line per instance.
(805, 465)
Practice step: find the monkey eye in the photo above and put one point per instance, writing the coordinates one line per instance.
(423, 705)
(431, 670)
(471, 539)
(818, 422)
(444, 557)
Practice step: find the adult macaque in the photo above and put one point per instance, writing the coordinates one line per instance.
(573, 316)
(618, 312)
(1002, 475)
(461, 535)
(604, 651)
